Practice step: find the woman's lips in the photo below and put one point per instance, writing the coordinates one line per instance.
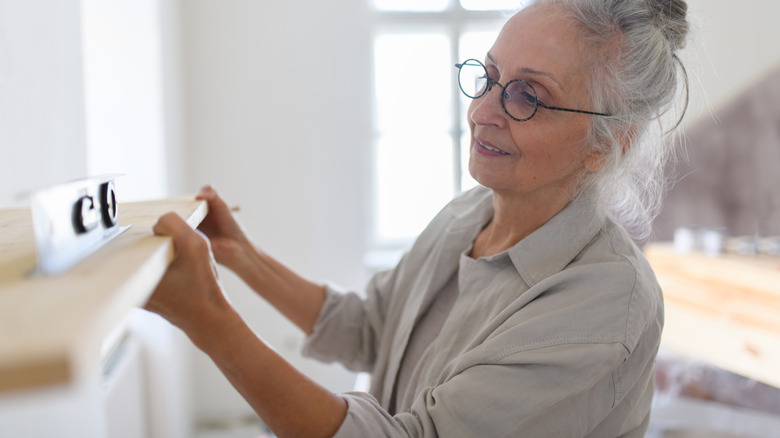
(486, 148)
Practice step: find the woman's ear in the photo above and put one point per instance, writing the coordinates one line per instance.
(594, 161)
(626, 139)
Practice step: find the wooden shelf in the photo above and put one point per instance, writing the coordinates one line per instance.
(50, 325)
(724, 310)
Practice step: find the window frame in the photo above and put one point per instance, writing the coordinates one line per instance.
(453, 22)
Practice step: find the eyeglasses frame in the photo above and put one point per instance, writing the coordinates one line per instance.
(491, 82)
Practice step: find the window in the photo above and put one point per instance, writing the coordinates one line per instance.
(420, 131)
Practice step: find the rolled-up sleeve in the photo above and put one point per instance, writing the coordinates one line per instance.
(349, 328)
(341, 332)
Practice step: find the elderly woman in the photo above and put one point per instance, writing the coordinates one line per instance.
(524, 308)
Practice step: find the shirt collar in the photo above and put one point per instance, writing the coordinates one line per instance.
(548, 249)
(555, 244)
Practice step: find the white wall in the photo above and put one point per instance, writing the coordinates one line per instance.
(123, 89)
(72, 107)
(42, 135)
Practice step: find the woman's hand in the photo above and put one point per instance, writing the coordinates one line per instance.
(228, 240)
(189, 294)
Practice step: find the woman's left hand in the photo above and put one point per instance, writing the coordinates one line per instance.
(190, 296)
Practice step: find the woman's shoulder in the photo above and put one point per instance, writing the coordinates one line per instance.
(614, 249)
(606, 293)
(621, 279)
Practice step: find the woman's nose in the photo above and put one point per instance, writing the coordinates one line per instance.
(488, 110)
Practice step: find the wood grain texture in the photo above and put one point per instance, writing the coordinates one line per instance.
(724, 310)
(50, 325)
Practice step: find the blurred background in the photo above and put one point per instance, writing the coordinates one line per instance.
(336, 127)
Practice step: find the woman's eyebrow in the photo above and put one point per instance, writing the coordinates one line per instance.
(529, 71)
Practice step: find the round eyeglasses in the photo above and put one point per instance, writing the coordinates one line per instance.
(518, 97)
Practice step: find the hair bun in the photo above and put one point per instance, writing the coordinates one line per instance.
(670, 18)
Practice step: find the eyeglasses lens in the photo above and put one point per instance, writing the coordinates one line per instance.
(519, 98)
(472, 79)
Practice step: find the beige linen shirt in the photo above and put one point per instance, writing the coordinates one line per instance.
(555, 337)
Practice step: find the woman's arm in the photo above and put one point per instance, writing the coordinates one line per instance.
(191, 297)
(298, 299)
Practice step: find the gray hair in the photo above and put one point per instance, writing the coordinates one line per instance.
(637, 78)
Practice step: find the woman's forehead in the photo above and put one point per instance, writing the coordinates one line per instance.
(542, 38)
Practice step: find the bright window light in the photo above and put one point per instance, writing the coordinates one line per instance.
(476, 44)
(413, 82)
(413, 154)
(491, 5)
(411, 5)
(414, 180)
(421, 134)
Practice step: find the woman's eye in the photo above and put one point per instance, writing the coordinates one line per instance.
(521, 93)
(527, 98)
(521, 96)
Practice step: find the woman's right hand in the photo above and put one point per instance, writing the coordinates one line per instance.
(228, 240)
(300, 300)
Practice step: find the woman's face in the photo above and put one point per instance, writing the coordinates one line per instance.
(546, 155)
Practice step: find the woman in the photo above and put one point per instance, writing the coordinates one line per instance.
(524, 308)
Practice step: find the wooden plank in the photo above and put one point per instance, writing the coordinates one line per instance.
(756, 274)
(723, 310)
(744, 350)
(50, 325)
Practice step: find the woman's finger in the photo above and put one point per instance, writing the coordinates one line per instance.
(207, 193)
(185, 238)
(170, 224)
(211, 196)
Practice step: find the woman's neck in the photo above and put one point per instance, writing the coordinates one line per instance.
(515, 218)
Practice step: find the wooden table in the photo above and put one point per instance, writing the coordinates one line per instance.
(49, 326)
(724, 310)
